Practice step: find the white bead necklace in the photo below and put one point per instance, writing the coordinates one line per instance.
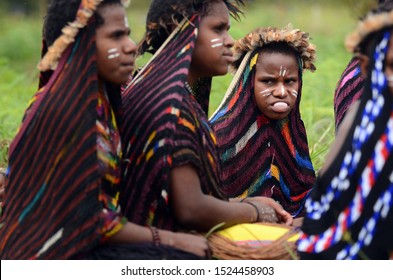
(189, 88)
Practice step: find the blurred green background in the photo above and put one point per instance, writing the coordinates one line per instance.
(327, 21)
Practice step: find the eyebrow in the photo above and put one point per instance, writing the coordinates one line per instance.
(223, 25)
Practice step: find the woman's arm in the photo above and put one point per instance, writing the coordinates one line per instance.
(198, 211)
(133, 233)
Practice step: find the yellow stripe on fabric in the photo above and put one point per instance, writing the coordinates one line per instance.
(254, 60)
(275, 172)
(151, 152)
(151, 137)
(187, 124)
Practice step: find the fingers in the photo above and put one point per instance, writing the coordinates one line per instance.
(286, 218)
(194, 244)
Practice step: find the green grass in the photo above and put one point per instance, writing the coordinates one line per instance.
(327, 22)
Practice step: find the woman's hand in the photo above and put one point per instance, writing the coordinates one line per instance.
(282, 215)
(195, 244)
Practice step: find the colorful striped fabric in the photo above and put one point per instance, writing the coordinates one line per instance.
(261, 157)
(55, 207)
(165, 127)
(348, 90)
(350, 210)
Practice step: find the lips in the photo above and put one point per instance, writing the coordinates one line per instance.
(229, 57)
(129, 65)
(280, 107)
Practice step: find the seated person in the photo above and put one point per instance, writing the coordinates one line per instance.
(261, 137)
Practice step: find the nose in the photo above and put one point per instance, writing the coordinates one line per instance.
(229, 42)
(130, 46)
(280, 91)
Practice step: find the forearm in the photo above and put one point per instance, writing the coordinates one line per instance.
(132, 233)
(208, 211)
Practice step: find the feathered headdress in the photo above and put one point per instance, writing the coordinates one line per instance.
(295, 38)
(372, 22)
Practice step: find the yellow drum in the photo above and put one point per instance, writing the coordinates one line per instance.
(262, 241)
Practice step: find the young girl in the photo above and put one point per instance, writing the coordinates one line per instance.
(261, 138)
(172, 175)
(350, 210)
(64, 164)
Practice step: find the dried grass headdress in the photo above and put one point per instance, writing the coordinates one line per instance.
(69, 32)
(372, 22)
(295, 38)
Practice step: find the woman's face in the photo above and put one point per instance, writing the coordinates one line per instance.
(212, 54)
(276, 84)
(115, 50)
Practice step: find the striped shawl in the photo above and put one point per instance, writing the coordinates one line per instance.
(52, 208)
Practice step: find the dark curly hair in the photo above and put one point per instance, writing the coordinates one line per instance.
(62, 12)
(163, 15)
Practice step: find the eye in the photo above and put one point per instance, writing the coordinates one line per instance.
(290, 81)
(266, 81)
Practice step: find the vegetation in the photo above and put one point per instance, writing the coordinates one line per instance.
(327, 21)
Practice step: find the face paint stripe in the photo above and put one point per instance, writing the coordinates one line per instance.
(217, 45)
(112, 56)
(294, 93)
(266, 92)
(112, 50)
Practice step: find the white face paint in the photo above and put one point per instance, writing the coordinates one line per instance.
(113, 53)
(266, 92)
(126, 22)
(282, 90)
(294, 93)
(216, 43)
(283, 71)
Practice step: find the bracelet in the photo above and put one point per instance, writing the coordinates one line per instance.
(155, 236)
(256, 209)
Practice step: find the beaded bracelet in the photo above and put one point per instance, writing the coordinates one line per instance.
(256, 209)
(155, 236)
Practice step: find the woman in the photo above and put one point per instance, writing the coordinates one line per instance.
(172, 173)
(350, 210)
(350, 86)
(261, 137)
(64, 163)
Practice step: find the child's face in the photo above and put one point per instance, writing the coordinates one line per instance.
(276, 84)
(212, 54)
(115, 50)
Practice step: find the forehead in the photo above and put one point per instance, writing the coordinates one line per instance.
(111, 10)
(216, 9)
(271, 61)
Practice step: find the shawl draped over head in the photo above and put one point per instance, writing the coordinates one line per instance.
(350, 210)
(259, 156)
(52, 208)
(165, 127)
(349, 89)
